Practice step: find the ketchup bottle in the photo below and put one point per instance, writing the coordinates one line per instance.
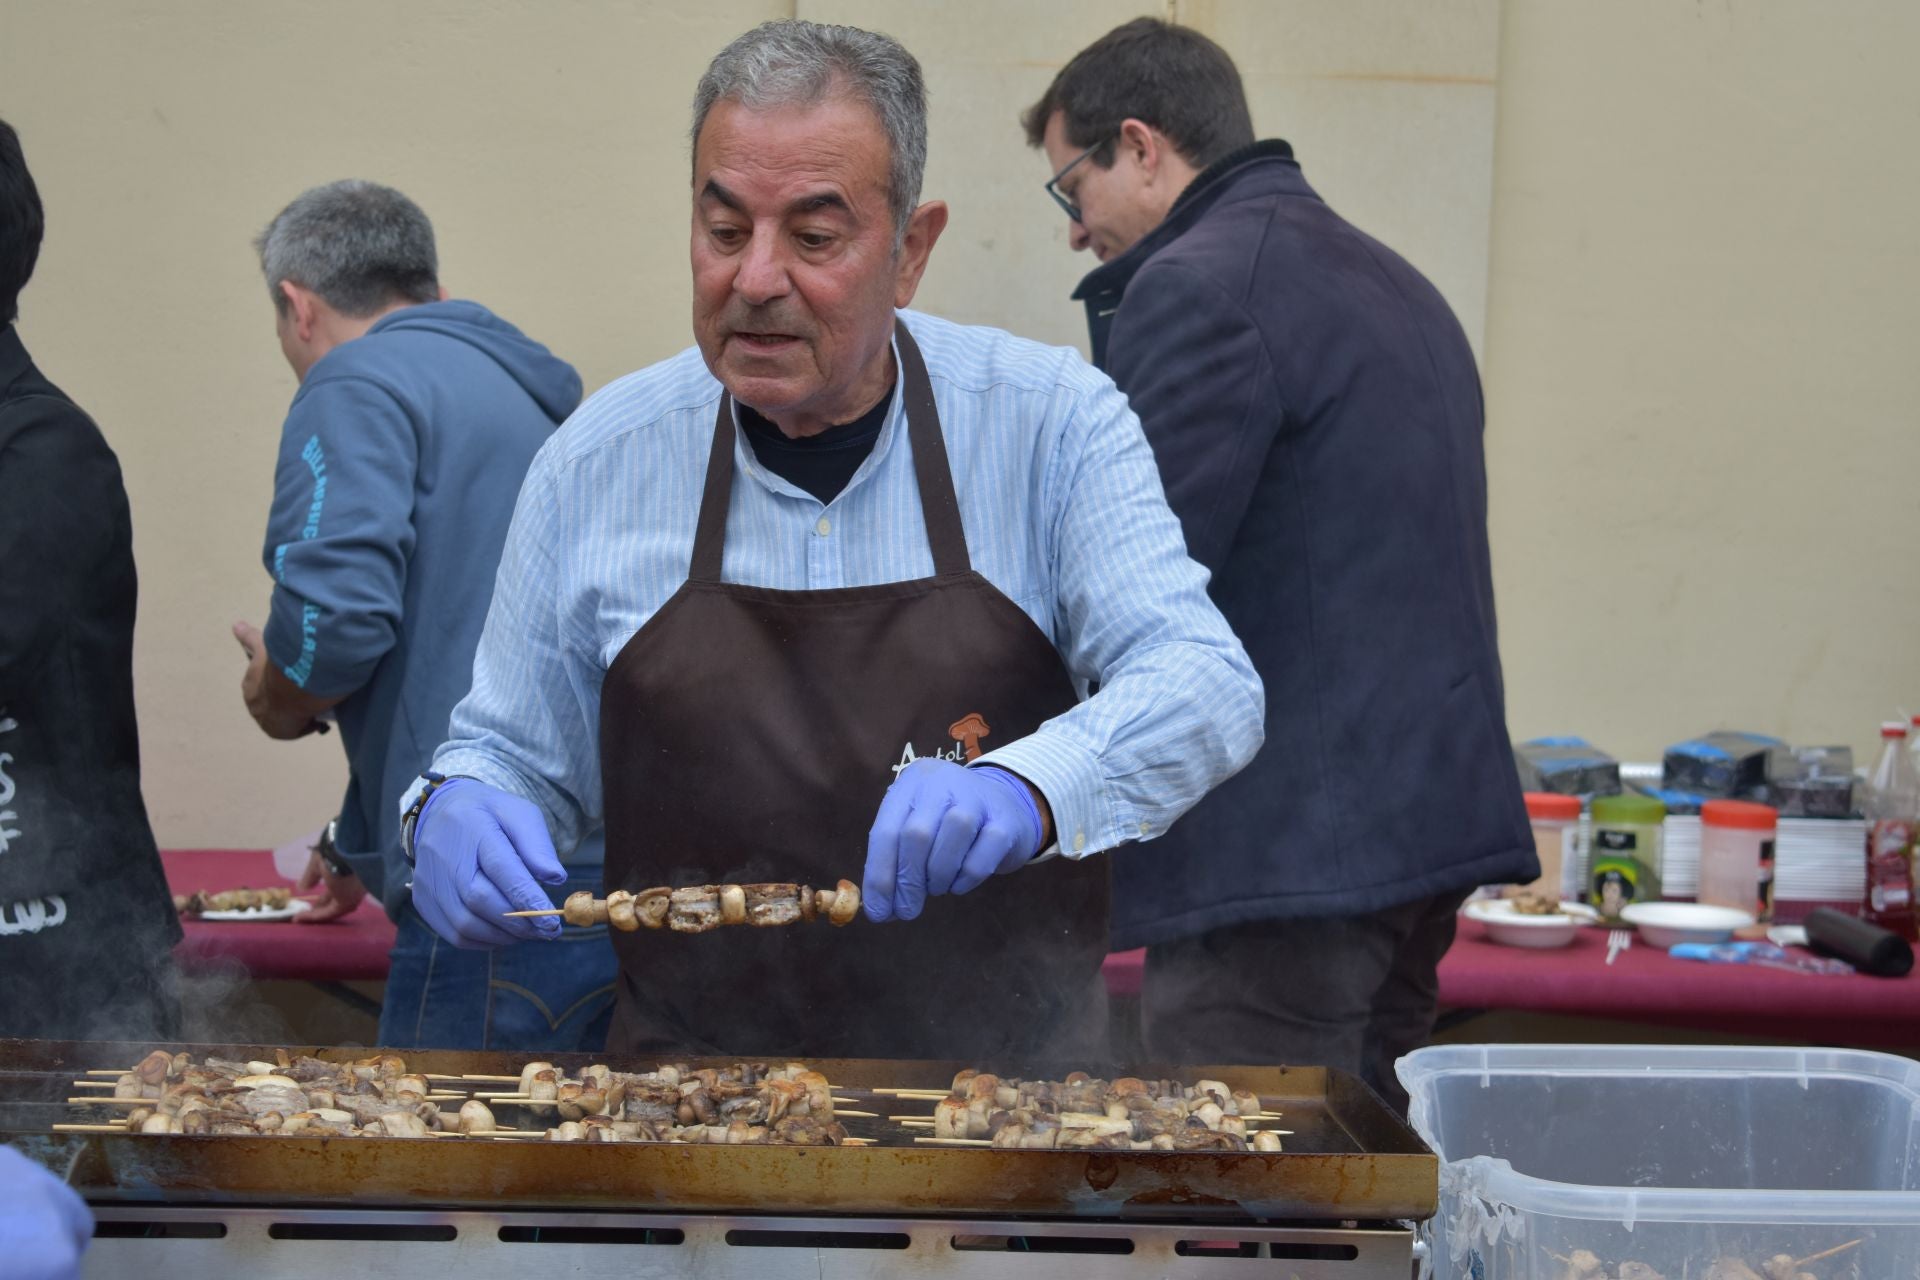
(1893, 811)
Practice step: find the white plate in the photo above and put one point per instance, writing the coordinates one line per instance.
(1666, 924)
(287, 912)
(1514, 929)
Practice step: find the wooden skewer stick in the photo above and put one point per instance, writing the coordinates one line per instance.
(863, 1115)
(523, 915)
(954, 1142)
(108, 1071)
(1828, 1253)
(96, 1084)
(89, 1128)
(471, 1075)
(932, 1095)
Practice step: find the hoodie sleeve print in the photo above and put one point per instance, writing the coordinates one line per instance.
(340, 534)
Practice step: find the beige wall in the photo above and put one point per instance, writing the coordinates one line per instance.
(1704, 368)
(1695, 305)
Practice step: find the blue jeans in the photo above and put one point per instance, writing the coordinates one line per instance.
(540, 996)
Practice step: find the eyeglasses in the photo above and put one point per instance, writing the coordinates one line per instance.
(1053, 183)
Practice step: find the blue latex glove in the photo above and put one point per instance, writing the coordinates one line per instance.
(945, 829)
(44, 1225)
(479, 853)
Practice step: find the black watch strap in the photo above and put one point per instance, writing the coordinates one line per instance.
(329, 851)
(411, 818)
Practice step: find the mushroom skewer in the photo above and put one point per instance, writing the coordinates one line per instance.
(699, 908)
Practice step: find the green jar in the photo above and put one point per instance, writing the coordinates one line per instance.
(1624, 866)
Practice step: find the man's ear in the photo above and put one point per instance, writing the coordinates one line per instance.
(444, 295)
(299, 309)
(1138, 139)
(923, 229)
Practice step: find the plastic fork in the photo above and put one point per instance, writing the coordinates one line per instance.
(1618, 940)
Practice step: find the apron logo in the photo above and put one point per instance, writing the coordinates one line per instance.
(33, 915)
(8, 817)
(967, 732)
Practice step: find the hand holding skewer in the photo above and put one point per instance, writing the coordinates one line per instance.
(698, 908)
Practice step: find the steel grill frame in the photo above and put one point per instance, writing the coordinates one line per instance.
(1352, 1167)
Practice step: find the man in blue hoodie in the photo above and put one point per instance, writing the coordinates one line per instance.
(400, 462)
(1314, 409)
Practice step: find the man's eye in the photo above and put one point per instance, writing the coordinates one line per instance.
(813, 240)
(726, 235)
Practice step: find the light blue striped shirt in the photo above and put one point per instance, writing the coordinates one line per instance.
(1063, 512)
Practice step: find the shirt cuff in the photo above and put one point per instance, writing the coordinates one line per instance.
(1069, 776)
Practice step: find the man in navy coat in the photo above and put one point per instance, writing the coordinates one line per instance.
(1317, 418)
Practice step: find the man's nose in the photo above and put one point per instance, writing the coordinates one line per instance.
(1077, 235)
(762, 276)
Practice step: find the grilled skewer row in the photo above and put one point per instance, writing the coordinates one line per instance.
(677, 1096)
(371, 1097)
(698, 908)
(1080, 1111)
(201, 902)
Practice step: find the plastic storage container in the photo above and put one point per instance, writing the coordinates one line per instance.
(1736, 856)
(1623, 860)
(1672, 1157)
(1556, 831)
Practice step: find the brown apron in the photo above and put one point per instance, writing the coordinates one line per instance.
(748, 734)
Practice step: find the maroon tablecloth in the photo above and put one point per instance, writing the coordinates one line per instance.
(1645, 984)
(352, 948)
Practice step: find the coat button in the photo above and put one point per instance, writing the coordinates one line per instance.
(1079, 841)
(823, 527)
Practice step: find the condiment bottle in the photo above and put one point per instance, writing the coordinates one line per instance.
(1892, 805)
(1556, 825)
(1736, 855)
(1623, 865)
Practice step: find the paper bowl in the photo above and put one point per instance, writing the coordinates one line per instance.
(1542, 933)
(1666, 924)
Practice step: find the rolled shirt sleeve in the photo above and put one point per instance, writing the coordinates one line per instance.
(340, 534)
(1179, 708)
(528, 724)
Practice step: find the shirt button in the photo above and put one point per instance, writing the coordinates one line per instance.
(823, 527)
(1079, 841)
(1146, 829)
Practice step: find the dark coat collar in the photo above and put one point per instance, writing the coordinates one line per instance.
(14, 361)
(1201, 194)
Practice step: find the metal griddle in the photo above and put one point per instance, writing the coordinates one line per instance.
(1349, 1160)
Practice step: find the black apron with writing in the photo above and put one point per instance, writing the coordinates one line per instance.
(747, 735)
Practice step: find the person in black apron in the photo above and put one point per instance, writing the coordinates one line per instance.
(86, 923)
(745, 732)
(718, 685)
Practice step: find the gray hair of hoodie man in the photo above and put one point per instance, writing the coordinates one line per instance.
(361, 246)
(797, 64)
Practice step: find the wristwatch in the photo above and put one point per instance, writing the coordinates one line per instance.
(411, 818)
(330, 852)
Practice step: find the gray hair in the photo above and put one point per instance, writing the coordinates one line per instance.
(361, 246)
(794, 63)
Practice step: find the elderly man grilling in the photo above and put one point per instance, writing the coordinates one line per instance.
(824, 585)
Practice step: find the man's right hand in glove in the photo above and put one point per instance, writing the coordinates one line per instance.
(479, 853)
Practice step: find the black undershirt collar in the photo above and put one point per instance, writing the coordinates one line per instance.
(820, 464)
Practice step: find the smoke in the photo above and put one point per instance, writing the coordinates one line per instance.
(220, 1005)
